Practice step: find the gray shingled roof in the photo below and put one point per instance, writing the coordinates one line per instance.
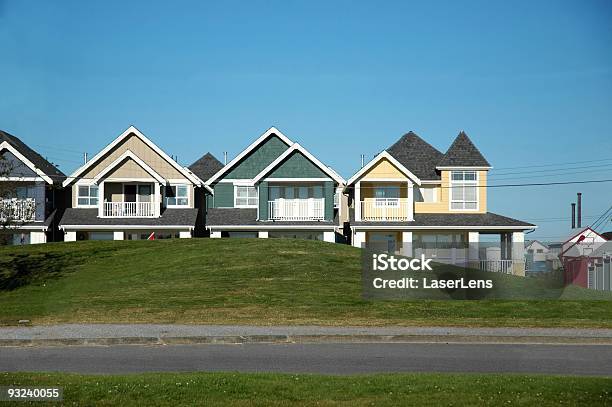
(417, 155)
(451, 219)
(49, 169)
(89, 216)
(463, 153)
(206, 166)
(248, 217)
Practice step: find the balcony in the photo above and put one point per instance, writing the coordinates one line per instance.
(386, 209)
(18, 209)
(128, 209)
(297, 209)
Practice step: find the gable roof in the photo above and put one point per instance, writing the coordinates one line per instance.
(35, 160)
(296, 147)
(272, 131)
(529, 243)
(132, 130)
(582, 231)
(128, 154)
(463, 153)
(206, 166)
(416, 155)
(375, 160)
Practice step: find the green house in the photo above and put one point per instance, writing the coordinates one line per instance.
(273, 188)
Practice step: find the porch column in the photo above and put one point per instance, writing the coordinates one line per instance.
(406, 249)
(329, 237)
(70, 236)
(101, 199)
(262, 234)
(518, 253)
(357, 201)
(118, 235)
(473, 246)
(359, 239)
(215, 234)
(410, 201)
(157, 200)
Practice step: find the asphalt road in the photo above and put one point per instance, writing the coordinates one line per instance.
(315, 358)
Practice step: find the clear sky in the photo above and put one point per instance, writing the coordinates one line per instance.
(529, 81)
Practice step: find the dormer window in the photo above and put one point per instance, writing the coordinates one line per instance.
(464, 190)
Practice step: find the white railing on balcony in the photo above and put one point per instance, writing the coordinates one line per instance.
(499, 266)
(297, 209)
(128, 209)
(385, 209)
(18, 209)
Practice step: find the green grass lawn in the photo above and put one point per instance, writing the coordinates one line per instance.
(237, 281)
(187, 389)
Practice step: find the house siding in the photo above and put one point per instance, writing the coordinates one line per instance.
(142, 151)
(443, 194)
(263, 201)
(17, 167)
(384, 169)
(329, 189)
(224, 195)
(258, 159)
(297, 166)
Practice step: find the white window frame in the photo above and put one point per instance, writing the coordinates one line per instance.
(88, 197)
(434, 189)
(463, 183)
(187, 205)
(247, 205)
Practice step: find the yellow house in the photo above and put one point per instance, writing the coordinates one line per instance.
(412, 197)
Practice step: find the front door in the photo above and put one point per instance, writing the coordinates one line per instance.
(129, 193)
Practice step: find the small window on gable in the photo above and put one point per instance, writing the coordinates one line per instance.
(177, 195)
(245, 196)
(87, 195)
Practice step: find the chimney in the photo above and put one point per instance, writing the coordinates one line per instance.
(225, 158)
(84, 158)
(362, 160)
(573, 215)
(579, 220)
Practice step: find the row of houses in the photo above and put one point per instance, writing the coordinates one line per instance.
(409, 195)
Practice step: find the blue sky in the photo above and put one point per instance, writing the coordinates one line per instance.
(530, 83)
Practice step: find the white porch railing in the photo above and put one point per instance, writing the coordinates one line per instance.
(498, 266)
(18, 209)
(297, 209)
(128, 209)
(384, 209)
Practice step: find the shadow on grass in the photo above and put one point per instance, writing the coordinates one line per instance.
(22, 269)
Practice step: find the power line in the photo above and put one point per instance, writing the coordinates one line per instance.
(493, 171)
(552, 165)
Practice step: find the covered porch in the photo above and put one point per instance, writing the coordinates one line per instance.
(493, 251)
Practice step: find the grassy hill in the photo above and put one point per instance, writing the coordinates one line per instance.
(237, 281)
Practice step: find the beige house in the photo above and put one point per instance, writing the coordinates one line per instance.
(130, 190)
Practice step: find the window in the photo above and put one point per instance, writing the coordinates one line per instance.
(87, 195)
(245, 196)
(464, 190)
(177, 195)
(540, 251)
(427, 194)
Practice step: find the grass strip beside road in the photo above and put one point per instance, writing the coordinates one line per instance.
(246, 389)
